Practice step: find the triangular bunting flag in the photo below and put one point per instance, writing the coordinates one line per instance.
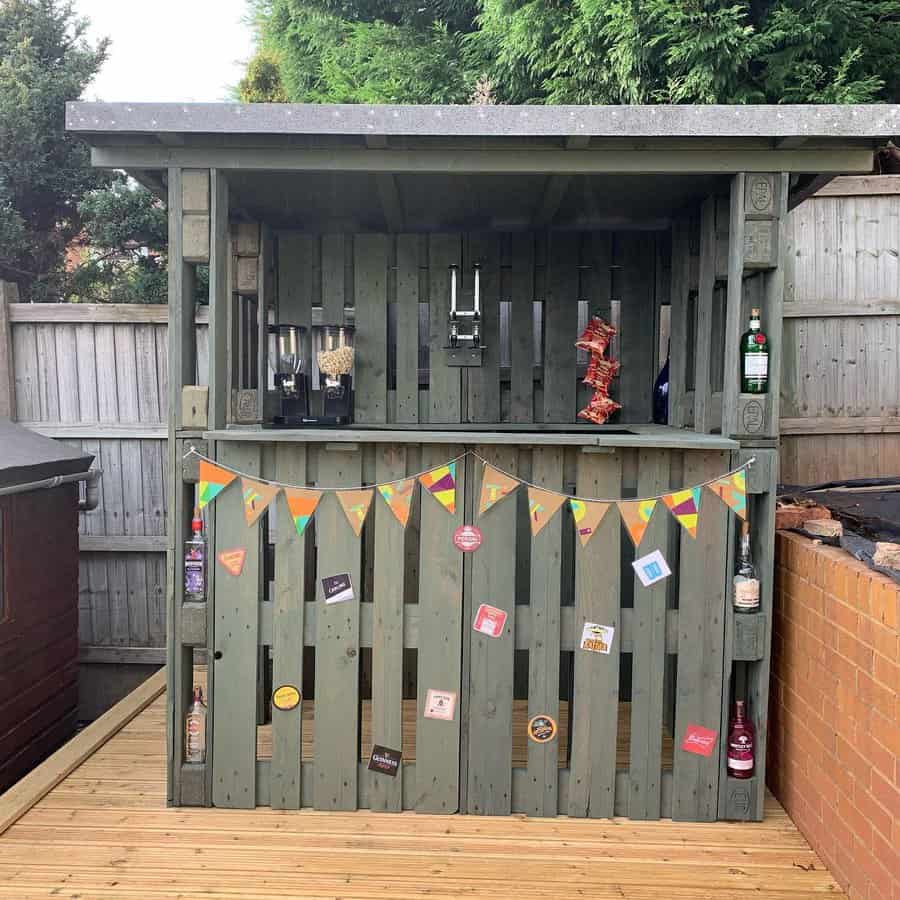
(494, 486)
(356, 507)
(732, 490)
(302, 504)
(398, 496)
(636, 515)
(213, 480)
(441, 484)
(685, 506)
(587, 515)
(257, 497)
(542, 505)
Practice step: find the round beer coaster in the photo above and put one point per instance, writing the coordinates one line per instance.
(467, 538)
(541, 729)
(286, 697)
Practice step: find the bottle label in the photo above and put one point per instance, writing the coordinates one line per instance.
(740, 753)
(193, 576)
(756, 365)
(746, 593)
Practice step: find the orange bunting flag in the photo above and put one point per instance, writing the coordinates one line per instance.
(398, 496)
(257, 496)
(494, 486)
(587, 515)
(542, 505)
(636, 516)
(685, 506)
(441, 484)
(356, 507)
(302, 504)
(732, 490)
(213, 480)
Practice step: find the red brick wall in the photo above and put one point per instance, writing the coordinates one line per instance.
(834, 714)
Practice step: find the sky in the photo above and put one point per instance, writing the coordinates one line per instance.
(150, 60)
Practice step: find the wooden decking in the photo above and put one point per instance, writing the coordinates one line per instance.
(104, 831)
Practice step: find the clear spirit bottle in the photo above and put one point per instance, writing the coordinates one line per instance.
(745, 595)
(195, 562)
(195, 729)
(754, 358)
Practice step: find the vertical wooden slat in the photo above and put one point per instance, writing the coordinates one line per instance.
(592, 782)
(236, 639)
(265, 298)
(560, 328)
(67, 367)
(295, 284)
(444, 382)
(521, 329)
(389, 582)
(492, 658)
(287, 633)
(440, 642)
(731, 382)
(219, 300)
(635, 385)
(701, 636)
(649, 653)
(703, 332)
(370, 254)
(333, 279)
(678, 325)
(337, 637)
(543, 654)
(8, 294)
(774, 293)
(484, 381)
(407, 317)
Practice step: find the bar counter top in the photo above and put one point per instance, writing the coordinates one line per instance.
(660, 437)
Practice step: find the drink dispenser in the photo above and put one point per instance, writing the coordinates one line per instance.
(333, 350)
(286, 360)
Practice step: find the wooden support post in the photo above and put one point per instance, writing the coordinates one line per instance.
(774, 301)
(219, 301)
(9, 293)
(678, 324)
(733, 311)
(703, 332)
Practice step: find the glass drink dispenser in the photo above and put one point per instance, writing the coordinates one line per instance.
(286, 360)
(333, 349)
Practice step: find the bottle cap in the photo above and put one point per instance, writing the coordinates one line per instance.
(754, 313)
(196, 522)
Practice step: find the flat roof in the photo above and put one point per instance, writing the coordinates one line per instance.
(856, 121)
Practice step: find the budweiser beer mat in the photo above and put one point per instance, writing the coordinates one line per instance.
(699, 740)
(489, 620)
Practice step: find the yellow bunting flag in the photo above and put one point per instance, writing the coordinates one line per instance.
(494, 486)
(685, 506)
(213, 480)
(636, 515)
(441, 484)
(732, 490)
(356, 507)
(398, 496)
(302, 504)
(542, 505)
(257, 496)
(587, 515)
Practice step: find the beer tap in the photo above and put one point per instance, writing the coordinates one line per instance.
(464, 344)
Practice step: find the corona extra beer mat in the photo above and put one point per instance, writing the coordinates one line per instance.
(541, 729)
(286, 697)
(597, 638)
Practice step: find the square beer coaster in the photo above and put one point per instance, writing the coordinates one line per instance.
(597, 638)
(699, 740)
(385, 760)
(440, 704)
(489, 620)
(337, 588)
(651, 568)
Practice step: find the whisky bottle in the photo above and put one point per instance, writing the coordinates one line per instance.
(195, 729)
(740, 744)
(745, 594)
(195, 562)
(754, 358)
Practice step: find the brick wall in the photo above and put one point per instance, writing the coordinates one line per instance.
(834, 716)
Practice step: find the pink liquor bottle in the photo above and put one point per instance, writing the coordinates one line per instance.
(740, 744)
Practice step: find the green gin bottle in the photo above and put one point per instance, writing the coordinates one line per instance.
(754, 358)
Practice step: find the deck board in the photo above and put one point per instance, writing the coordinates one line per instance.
(105, 832)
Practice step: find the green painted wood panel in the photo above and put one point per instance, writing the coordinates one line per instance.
(649, 652)
(704, 317)
(701, 638)
(389, 581)
(492, 658)
(236, 639)
(219, 299)
(635, 254)
(407, 312)
(521, 328)
(440, 643)
(296, 255)
(560, 328)
(337, 637)
(484, 381)
(444, 382)
(543, 653)
(334, 276)
(287, 632)
(592, 765)
(370, 270)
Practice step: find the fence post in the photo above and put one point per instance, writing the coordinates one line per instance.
(9, 293)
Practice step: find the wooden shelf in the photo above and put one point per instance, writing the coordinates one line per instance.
(657, 436)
